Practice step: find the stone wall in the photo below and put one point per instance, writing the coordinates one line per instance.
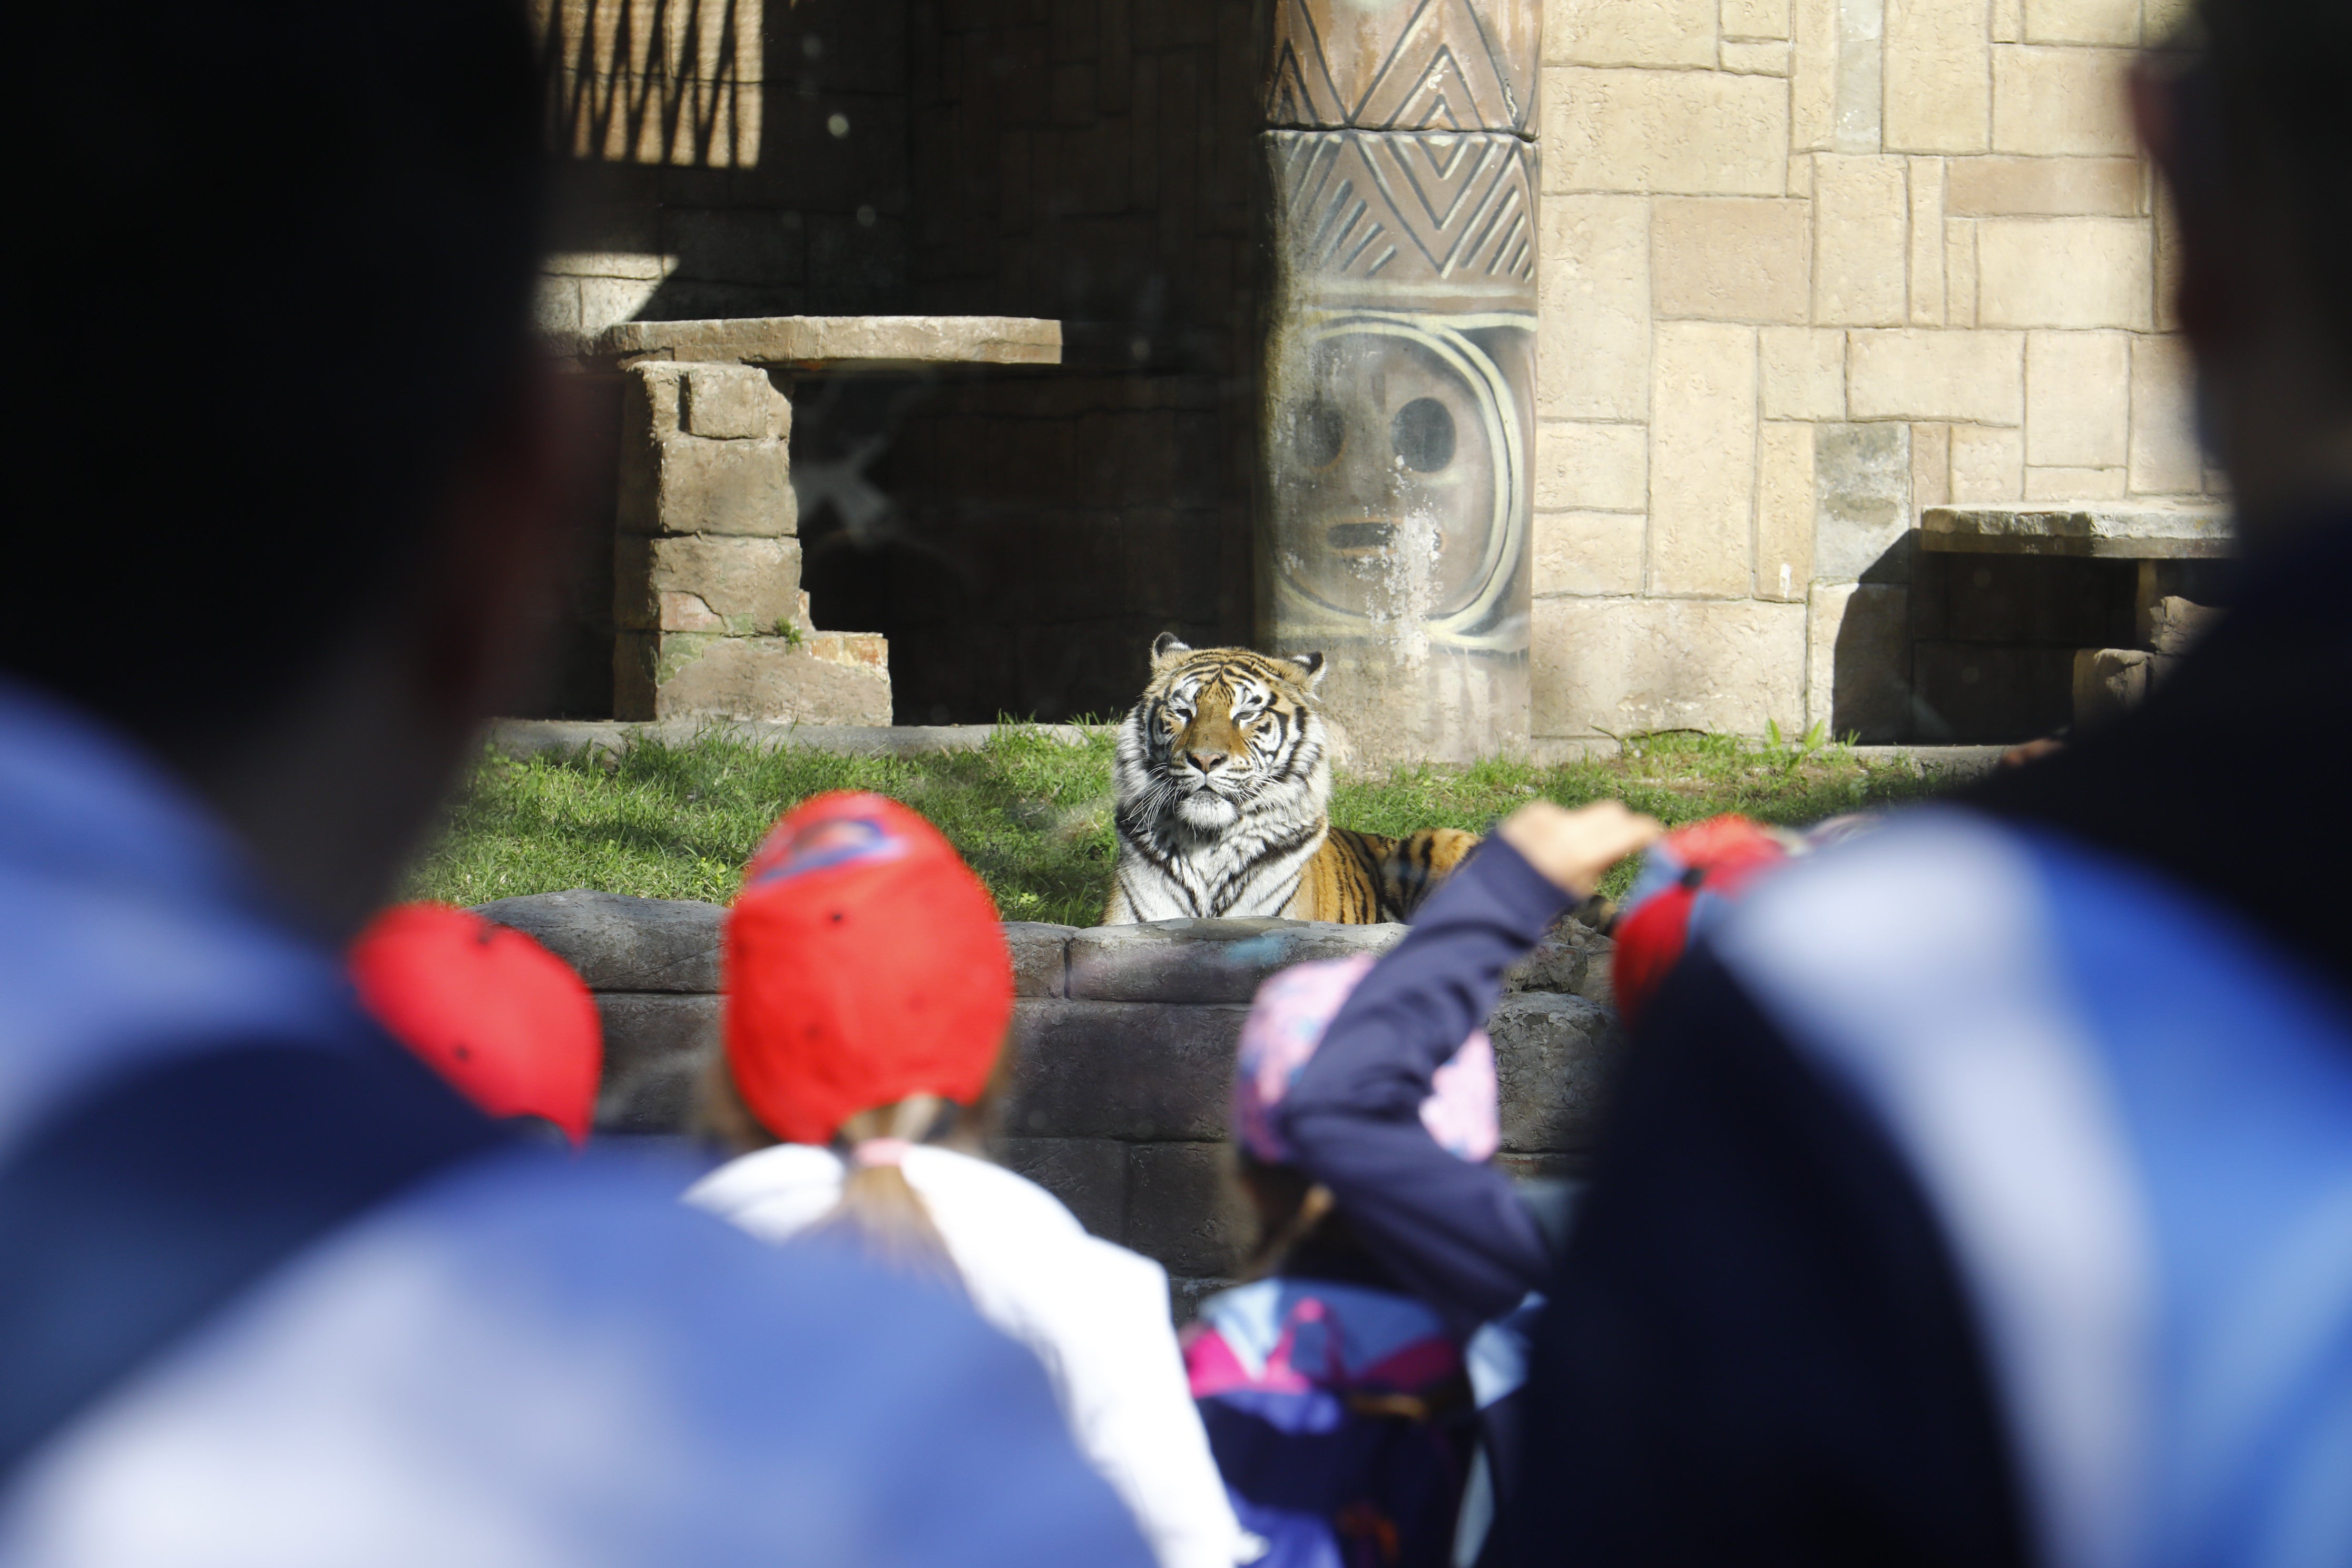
(1122, 1041)
(1808, 266)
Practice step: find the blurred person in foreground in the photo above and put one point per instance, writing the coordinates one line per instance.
(511, 1027)
(289, 490)
(1980, 1191)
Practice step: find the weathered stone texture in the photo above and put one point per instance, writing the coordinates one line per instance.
(2082, 21)
(744, 585)
(1552, 1058)
(621, 943)
(1040, 956)
(1755, 56)
(1754, 18)
(1861, 214)
(729, 402)
(1600, 467)
(1690, 132)
(1612, 33)
(1803, 374)
(1185, 1209)
(2073, 484)
(1703, 429)
(1120, 1070)
(664, 675)
(1785, 509)
(1202, 961)
(1610, 666)
(1961, 377)
(2064, 102)
(657, 1046)
(1590, 552)
(2063, 272)
(1939, 76)
(1861, 497)
(1088, 1174)
(2046, 187)
(1731, 258)
(2077, 399)
(1987, 464)
(1927, 253)
(1593, 342)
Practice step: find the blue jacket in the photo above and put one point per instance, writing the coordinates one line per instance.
(521, 1358)
(1979, 1191)
(1453, 1234)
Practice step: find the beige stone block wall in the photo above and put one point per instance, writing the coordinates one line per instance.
(1808, 266)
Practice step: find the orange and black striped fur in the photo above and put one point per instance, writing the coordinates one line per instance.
(1223, 781)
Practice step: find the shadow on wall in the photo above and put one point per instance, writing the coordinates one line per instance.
(1938, 648)
(1019, 538)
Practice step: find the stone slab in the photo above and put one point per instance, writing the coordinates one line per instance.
(835, 342)
(1137, 1071)
(622, 943)
(1553, 1056)
(1202, 961)
(2126, 532)
(1040, 956)
(1185, 1210)
(658, 1046)
(1088, 1174)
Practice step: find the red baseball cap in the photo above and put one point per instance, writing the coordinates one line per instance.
(1683, 875)
(496, 1014)
(865, 963)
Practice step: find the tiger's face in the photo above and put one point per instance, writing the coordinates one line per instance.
(1222, 725)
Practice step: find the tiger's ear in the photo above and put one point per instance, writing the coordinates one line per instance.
(1166, 647)
(1312, 663)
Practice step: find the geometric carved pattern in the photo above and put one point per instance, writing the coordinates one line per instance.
(1414, 65)
(1406, 208)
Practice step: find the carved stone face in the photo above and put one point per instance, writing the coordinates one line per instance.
(1389, 449)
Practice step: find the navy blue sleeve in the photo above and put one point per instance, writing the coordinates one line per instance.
(1758, 1349)
(1453, 1232)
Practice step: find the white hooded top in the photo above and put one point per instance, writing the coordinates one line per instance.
(1095, 1314)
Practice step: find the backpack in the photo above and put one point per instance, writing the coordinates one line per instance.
(1341, 1420)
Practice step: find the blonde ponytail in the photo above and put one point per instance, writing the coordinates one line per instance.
(880, 1213)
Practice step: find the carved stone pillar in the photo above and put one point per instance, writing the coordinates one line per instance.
(1398, 374)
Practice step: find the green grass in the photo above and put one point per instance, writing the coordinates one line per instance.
(1033, 814)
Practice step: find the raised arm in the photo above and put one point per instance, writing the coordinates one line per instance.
(1453, 1233)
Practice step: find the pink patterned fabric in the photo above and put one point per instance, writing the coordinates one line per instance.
(1285, 1024)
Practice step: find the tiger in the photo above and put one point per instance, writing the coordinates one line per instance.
(1223, 784)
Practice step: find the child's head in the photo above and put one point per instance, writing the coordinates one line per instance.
(868, 989)
(504, 1020)
(1285, 1027)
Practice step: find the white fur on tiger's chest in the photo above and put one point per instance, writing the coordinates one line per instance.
(1233, 879)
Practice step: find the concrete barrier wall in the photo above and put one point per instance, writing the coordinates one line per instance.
(1123, 1040)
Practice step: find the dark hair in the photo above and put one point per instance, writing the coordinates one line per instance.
(2265, 105)
(276, 272)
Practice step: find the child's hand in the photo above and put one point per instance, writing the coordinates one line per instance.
(1574, 850)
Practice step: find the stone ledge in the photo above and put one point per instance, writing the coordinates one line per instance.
(622, 943)
(830, 342)
(1198, 961)
(523, 739)
(2123, 532)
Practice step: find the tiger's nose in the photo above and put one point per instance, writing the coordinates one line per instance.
(1207, 761)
